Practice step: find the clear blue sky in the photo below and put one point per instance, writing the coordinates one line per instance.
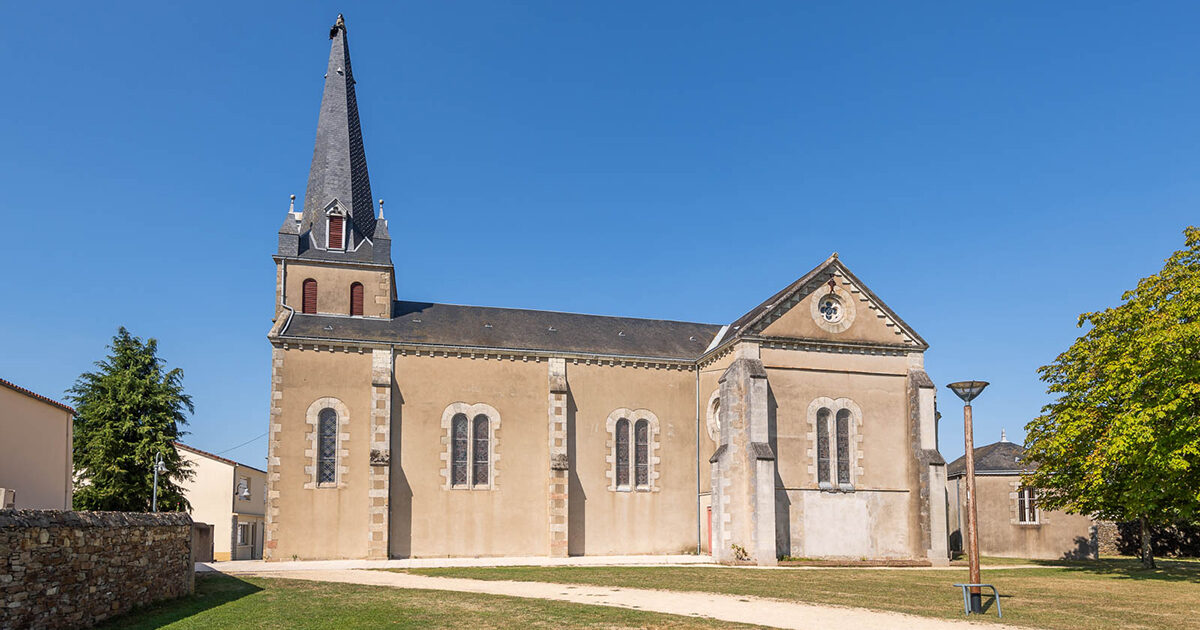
(990, 172)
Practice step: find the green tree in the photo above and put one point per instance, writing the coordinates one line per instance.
(127, 412)
(1121, 440)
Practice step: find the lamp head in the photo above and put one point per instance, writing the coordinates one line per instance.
(968, 390)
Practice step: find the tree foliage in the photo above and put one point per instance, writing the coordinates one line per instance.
(128, 411)
(1121, 440)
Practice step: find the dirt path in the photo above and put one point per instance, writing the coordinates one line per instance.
(753, 610)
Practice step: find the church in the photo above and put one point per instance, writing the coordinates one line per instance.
(399, 428)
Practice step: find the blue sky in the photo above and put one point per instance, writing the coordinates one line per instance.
(990, 172)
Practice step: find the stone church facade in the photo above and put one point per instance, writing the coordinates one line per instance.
(399, 428)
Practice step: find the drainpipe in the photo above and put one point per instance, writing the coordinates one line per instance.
(699, 509)
(283, 297)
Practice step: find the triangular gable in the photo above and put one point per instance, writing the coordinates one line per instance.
(873, 321)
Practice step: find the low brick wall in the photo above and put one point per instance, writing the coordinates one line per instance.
(63, 569)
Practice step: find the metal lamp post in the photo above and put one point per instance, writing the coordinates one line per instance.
(968, 391)
(159, 467)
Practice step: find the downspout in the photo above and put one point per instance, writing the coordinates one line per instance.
(283, 297)
(699, 509)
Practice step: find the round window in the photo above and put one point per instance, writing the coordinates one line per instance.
(830, 308)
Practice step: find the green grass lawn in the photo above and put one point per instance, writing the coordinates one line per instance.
(227, 602)
(1110, 593)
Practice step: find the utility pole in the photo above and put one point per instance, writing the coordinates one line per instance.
(968, 391)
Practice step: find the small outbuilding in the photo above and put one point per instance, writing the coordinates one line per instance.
(229, 496)
(1011, 521)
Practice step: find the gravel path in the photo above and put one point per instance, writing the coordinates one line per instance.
(752, 610)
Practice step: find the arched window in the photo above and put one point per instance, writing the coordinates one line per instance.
(641, 453)
(823, 446)
(623, 453)
(327, 446)
(356, 299)
(309, 301)
(337, 224)
(462, 441)
(479, 458)
(843, 447)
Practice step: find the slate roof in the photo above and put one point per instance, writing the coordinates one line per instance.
(339, 163)
(998, 458)
(35, 396)
(513, 329)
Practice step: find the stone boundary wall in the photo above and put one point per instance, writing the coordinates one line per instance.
(63, 569)
(1178, 540)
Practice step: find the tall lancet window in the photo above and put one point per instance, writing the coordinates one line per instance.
(337, 229)
(641, 453)
(479, 459)
(823, 459)
(462, 440)
(622, 453)
(843, 447)
(327, 446)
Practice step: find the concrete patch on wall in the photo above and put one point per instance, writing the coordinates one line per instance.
(849, 525)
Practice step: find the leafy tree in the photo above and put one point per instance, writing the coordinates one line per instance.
(1122, 438)
(127, 412)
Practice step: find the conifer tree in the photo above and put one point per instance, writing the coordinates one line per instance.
(128, 411)
(1122, 438)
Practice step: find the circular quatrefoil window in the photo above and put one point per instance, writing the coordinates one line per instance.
(833, 309)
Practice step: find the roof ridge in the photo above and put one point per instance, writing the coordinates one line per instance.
(541, 310)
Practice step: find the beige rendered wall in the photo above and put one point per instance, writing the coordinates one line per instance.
(616, 522)
(35, 451)
(874, 520)
(333, 287)
(325, 522)
(1056, 535)
(210, 492)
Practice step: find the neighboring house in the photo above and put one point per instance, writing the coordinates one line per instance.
(805, 427)
(35, 450)
(230, 497)
(1011, 522)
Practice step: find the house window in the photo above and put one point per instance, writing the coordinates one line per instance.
(356, 299)
(1027, 511)
(472, 445)
(623, 453)
(243, 533)
(823, 459)
(337, 224)
(327, 446)
(243, 488)
(309, 303)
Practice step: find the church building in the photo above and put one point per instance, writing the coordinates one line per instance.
(400, 428)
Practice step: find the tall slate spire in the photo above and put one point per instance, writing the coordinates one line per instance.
(339, 164)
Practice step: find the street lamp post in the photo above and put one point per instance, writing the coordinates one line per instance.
(968, 391)
(159, 467)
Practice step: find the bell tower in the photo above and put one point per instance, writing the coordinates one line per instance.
(334, 255)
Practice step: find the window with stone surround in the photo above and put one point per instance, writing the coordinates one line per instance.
(835, 434)
(328, 421)
(327, 446)
(1027, 510)
(471, 446)
(633, 441)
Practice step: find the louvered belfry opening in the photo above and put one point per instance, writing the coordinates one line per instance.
(356, 299)
(309, 303)
(336, 228)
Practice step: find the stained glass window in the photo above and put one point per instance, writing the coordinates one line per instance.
(479, 458)
(327, 446)
(831, 309)
(622, 453)
(461, 440)
(823, 445)
(641, 453)
(843, 446)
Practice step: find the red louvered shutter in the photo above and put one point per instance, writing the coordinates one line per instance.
(335, 231)
(356, 299)
(310, 297)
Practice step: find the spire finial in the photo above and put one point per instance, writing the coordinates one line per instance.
(1003, 436)
(292, 205)
(339, 25)
(381, 209)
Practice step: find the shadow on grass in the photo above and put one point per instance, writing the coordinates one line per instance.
(1169, 569)
(212, 590)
